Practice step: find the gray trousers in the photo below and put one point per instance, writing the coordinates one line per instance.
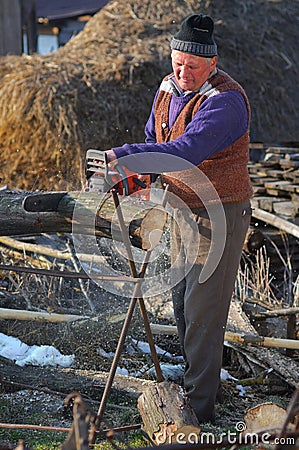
(201, 309)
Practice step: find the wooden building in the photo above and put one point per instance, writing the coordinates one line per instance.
(29, 26)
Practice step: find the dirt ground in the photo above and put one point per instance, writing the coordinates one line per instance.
(36, 394)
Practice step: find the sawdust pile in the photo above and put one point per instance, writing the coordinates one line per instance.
(96, 92)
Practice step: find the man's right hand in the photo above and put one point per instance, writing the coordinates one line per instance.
(112, 159)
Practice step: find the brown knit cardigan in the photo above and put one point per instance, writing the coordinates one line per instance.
(226, 170)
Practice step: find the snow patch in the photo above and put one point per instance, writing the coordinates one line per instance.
(22, 354)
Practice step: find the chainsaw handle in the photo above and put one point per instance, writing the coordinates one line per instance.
(124, 178)
(122, 173)
(108, 179)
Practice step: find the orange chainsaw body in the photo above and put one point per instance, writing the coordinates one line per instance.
(125, 182)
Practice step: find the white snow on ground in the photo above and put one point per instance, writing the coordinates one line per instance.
(242, 390)
(23, 354)
(145, 348)
(173, 372)
(225, 375)
(122, 371)
(104, 354)
(47, 355)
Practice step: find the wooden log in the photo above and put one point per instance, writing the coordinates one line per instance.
(258, 190)
(277, 222)
(259, 358)
(288, 209)
(265, 416)
(277, 173)
(257, 180)
(63, 381)
(166, 413)
(282, 150)
(292, 157)
(279, 188)
(262, 341)
(270, 203)
(292, 176)
(266, 202)
(279, 312)
(24, 213)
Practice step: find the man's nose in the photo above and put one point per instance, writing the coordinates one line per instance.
(184, 70)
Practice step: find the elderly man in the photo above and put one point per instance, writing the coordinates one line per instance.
(201, 115)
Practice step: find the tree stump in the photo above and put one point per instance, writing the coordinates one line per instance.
(167, 415)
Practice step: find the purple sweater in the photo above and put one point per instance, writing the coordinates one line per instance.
(219, 122)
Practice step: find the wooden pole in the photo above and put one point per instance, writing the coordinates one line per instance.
(10, 28)
(247, 339)
(47, 251)
(17, 314)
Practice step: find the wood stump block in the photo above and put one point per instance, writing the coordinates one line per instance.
(166, 413)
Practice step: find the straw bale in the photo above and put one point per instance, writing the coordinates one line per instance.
(97, 90)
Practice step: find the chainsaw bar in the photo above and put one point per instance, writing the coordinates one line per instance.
(43, 202)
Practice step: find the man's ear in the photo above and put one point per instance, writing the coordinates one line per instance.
(213, 63)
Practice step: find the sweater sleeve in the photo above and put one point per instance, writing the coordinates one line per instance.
(150, 131)
(219, 122)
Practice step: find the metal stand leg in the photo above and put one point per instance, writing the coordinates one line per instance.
(136, 296)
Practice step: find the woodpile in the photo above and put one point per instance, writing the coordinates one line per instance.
(275, 178)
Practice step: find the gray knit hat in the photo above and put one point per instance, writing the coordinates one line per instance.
(195, 36)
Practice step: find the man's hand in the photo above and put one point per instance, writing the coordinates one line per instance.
(112, 159)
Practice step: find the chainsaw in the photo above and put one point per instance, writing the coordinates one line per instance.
(102, 180)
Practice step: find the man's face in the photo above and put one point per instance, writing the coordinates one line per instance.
(191, 71)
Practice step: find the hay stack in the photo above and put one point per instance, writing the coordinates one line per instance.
(98, 89)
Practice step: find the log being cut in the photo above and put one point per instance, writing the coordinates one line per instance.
(30, 213)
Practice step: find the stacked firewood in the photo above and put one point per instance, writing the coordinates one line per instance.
(274, 174)
(275, 180)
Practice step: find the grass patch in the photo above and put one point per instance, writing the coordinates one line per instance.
(47, 440)
(38, 440)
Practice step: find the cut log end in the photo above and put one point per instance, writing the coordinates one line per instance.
(152, 228)
(167, 415)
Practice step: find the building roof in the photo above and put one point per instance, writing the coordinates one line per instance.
(62, 9)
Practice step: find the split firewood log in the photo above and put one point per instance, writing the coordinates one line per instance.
(166, 413)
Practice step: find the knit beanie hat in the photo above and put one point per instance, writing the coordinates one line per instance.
(196, 36)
